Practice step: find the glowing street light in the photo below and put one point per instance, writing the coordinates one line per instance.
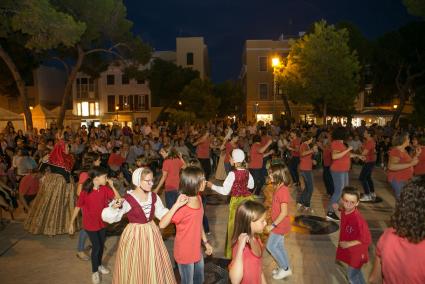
(31, 107)
(395, 106)
(276, 64)
(180, 103)
(116, 110)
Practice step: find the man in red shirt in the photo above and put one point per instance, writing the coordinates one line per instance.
(294, 147)
(366, 173)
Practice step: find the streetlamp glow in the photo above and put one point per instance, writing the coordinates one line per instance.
(31, 107)
(395, 106)
(180, 103)
(275, 62)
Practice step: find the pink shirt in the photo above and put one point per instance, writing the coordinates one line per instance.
(342, 164)
(187, 244)
(281, 195)
(252, 264)
(400, 175)
(172, 167)
(370, 146)
(256, 158)
(402, 261)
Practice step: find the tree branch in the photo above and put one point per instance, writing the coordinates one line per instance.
(63, 63)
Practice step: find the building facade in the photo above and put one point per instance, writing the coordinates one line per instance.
(263, 100)
(192, 52)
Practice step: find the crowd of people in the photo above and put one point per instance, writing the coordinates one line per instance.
(111, 172)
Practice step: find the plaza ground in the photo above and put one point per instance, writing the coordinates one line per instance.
(26, 258)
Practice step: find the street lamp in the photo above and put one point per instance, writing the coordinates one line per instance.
(276, 64)
(116, 110)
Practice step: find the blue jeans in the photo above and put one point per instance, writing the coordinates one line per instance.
(227, 168)
(366, 177)
(293, 169)
(276, 247)
(171, 198)
(340, 180)
(355, 276)
(305, 196)
(192, 273)
(397, 187)
(82, 237)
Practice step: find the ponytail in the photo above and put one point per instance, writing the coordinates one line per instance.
(93, 173)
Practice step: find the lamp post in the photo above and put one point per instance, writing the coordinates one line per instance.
(116, 110)
(276, 64)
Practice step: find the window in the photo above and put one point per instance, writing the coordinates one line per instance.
(263, 91)
(125, 80)
(110, 79)
(140, 81)
(189, 58)
(121, 102)
(85, 108)
(262, 63)
(79, 109)
(111, 103)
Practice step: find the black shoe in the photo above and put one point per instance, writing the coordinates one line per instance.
(332, 216)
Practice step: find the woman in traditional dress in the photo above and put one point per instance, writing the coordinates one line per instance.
(52, 208)
(142, 256)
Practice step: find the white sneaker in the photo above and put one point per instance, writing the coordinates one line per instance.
(95, 278)
(300, 207)
(282, 274)
(308, 210)
(373, 195)
(102, 269)
(366, 197)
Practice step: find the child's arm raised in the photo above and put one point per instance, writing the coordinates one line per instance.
(227, 185)
(166, 219)
(236, 268)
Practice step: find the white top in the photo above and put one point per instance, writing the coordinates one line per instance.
(112, 215)
(228, 183)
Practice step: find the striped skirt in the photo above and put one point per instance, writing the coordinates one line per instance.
(233, 206)
(52, 208)
(142, 257)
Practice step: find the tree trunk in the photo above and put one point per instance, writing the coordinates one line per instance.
(67, 96)
(325, 110)
(399, 110)
(20, 84)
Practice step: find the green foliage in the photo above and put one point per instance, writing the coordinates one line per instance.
(197, 97)
(231, 98)
(322, 70)
(167, 80)
(415, 7)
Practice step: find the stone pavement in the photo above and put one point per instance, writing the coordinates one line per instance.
(26, 258)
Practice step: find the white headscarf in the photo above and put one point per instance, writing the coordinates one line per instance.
(137, 176)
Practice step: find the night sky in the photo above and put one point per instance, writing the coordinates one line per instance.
(225, 25)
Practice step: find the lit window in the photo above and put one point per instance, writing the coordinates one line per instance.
(91, 108)
(79, 109)
(85, 108)
(96, 108)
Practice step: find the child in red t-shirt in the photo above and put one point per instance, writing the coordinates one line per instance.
(94, 197)
(354, 236)
(280, 177)
(246, 265)
(189, 230)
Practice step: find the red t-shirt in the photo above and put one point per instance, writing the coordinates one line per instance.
(354, 227)
(342, 164)
(29, 185)
(402, 261)
(256, 158)
(327, 156)
(400, 175)
(370, 146)
(306, 162)
(203, 149)
(83, 177)
(419, 169)
(172, 167)
(187, 244)
(115, 160)
(252, 264)
(92, 204)
(295, 143)
(281, 195)
(229, 149)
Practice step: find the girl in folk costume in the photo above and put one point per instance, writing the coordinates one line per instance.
(237, 183)
(52, 208)
(142, 256)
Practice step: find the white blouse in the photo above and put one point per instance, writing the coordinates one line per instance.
(112, 215)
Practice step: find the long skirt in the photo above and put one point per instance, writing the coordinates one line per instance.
(220, 173)
(142, 256)
(52, 208)
(233, 206)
